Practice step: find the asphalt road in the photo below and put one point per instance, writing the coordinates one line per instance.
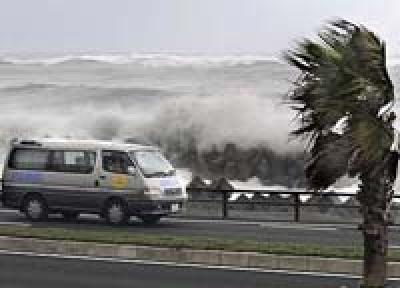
(327, 234)
(43, 272)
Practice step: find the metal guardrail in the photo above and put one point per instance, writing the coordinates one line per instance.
(294, 199)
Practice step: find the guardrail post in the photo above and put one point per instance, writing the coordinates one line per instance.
(224, 204)
(296, 207)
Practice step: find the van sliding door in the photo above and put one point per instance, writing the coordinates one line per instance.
(71, 184)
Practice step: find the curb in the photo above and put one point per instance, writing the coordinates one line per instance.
(187, 256)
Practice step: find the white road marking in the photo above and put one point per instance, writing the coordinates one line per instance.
(213, 221)
(188, 265)
(299, 227)
(91, 216)
(15, 223)
(266, 224)
(281, 225)
(3, 210)
(278, 225)
(175, 264)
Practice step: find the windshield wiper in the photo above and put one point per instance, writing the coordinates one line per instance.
(161, 173)
(155, 174)
(171, 172)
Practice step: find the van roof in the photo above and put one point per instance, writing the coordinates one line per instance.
(56, 143)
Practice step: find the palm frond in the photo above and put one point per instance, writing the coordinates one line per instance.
(342, 75)
(329, 160)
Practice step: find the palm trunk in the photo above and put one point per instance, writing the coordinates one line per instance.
(374, 199)
(375, 253)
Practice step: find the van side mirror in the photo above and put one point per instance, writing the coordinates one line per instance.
(131, 170)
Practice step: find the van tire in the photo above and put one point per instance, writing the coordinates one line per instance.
(150, 219)
(35, 208)
(116, 212)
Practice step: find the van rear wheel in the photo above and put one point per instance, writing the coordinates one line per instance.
(35, 208)
(150, 219)
(116, 212)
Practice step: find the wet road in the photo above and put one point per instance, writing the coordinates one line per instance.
(18, 271)
(326, 234)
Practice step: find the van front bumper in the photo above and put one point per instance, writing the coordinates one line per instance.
(159, 207)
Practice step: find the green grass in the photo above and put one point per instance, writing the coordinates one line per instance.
(119, 236)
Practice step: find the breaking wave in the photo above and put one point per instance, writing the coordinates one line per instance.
(217, 115)
(152, 60)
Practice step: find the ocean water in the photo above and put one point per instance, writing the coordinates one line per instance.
(222, 99)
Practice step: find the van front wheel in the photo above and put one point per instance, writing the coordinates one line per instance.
(115, 212)
(35, 208)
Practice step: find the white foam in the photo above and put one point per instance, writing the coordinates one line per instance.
(152, 60)
(185, 175)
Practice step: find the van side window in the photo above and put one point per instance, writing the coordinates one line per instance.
(29, 159)
(73, 161)
(115, 161)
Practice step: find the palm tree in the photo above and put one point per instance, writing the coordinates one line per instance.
(344, 99)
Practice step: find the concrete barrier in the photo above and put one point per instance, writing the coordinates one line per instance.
(206, 257)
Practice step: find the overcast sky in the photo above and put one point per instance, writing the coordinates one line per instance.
(182, 26)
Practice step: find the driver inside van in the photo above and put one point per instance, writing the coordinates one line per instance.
(116, 164)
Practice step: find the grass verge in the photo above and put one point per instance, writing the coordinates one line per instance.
(117, 236)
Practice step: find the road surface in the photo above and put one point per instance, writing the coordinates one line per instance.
(18, 271)
(326, 234)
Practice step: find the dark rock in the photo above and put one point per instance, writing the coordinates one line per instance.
(197, 183)
(278, 203)
(221, 184)
(231, 160)
(242, 203)
(258, 197)
(325, 203)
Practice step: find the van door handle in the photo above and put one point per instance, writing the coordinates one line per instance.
(96, 183)
(102, 177)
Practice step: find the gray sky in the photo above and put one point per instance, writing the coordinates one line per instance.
(182, 26)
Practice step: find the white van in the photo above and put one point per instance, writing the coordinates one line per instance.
(114, 180)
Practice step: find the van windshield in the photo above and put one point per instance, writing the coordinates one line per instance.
(152, 163)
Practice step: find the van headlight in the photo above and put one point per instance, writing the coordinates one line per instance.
(152, 191)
